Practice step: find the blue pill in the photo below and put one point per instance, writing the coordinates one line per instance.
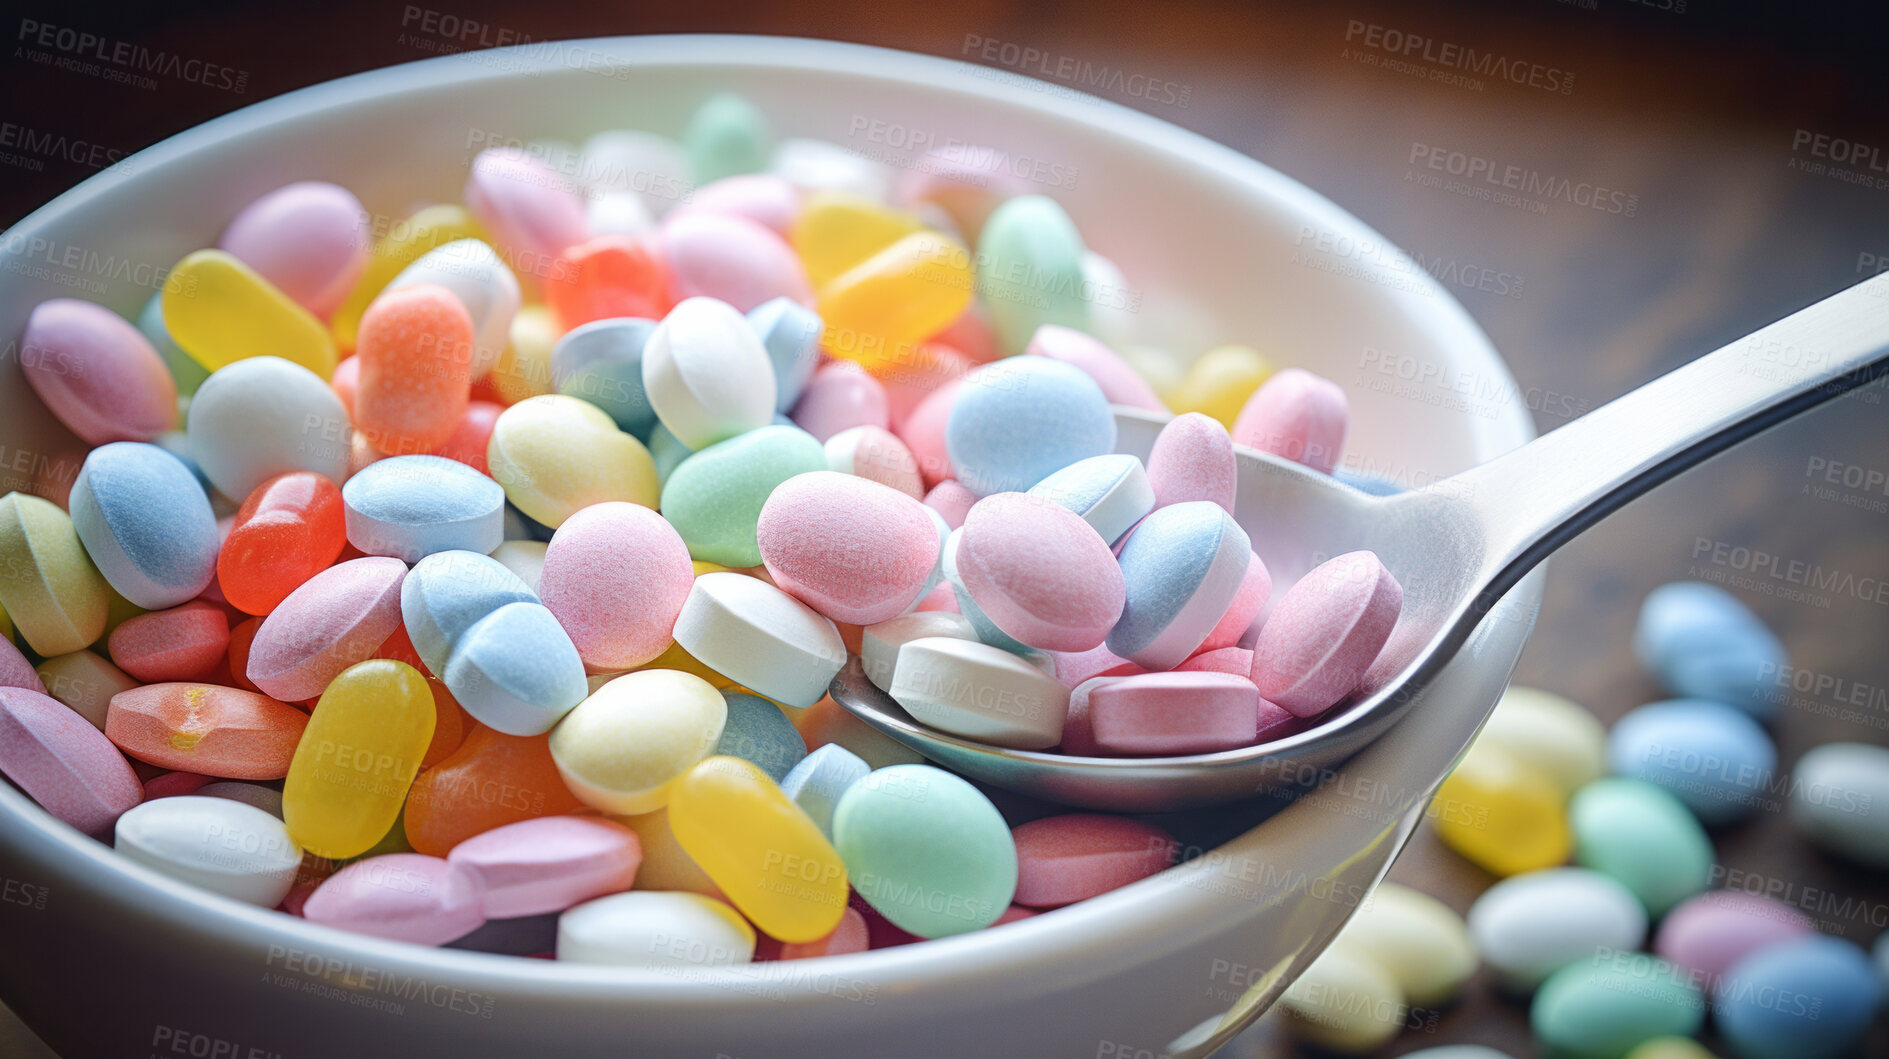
(1702, 643)
(1110, 492)
(790, 332)
(1021, 419)
(816, 783)
(516, 670)
(1806, 998)
(447, 593)
(146, 522)
(602, 362)
(1711, 756)
(1181, 568)
(757, 731)
(412, 506)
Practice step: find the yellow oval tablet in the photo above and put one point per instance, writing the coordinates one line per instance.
(220, 311)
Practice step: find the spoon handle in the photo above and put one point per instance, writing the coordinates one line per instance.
(1535, 499)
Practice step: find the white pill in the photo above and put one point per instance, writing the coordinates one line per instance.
(982, 692)
(264, 416)
(1839, 792)
(474, 273)
(707, 375)
(619, 213)
(220, 844)
(1111, 492)
(760, 637)
(1529, 926)
(655, 928)
(879, 644)
(820, 165)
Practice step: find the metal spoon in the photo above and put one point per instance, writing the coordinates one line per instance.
(1456, 546)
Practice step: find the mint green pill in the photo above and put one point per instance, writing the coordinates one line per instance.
(926, 850)
(184, 368)
(1604, 1007)
(713, 498)
(1029, 270)
(726, 137)
(1643, 838)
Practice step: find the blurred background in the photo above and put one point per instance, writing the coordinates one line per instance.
(1739, 167)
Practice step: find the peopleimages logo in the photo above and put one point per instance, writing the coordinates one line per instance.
(1449, 56)
(1476, 169)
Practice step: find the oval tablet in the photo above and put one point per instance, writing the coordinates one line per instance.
(221, 311)
(760, 637)
(51, 591)
(758, 731)
(96, 372)
(659, 929)
(308, 238)
(731, 259)
(707, 376)
(1325, 632)
(358, 757)
(602, 362)
(1111, 492)
(1030, 270)
(623, 745)
(839, 397)
(818, 781)
(63, 763)
(876, 455)
(287, 530)
(1812, 996)
(1607, 1007)
(416, 349)
(1418, 939)
(84, 681)
(926, 850)
(1182, 567)
(1704, 643)
(1713, 757)
(182, 643)
(484, 286)
(447, 593)
(206, 729)
(1192, 459)
(402, 896)
(1040, 573)
(790, 332)
(714, 497)
(607, 276)
(1529, 926)
(555, 455)
(516, 671)
(1707, 934)
(979, 691)
(410, 507)
(1643, 838)
(1298, 416)
(548, 865)
(146, 523)
(1832, 790)
(615, 576)
(1552, 736)
(532, 211)
(265, 416)
(337, 618)
(1018, 421)
(1065, 859)
(224, 846)
(852, 549)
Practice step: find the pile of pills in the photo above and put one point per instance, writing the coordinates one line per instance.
(495, 563)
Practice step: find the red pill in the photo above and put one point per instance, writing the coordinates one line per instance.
(289, 529)
(469, 440)
(242, 634)
(609, 275)
(415, 349)
(182, 643)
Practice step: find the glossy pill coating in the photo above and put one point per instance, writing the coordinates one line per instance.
(493, 779)
(1418, 939)
(52, 592)
(337, 618)
(308, 238)
(1607, 1006)
(1643, 838)
(1711, 756)
(1707, 934)
(790, 332)
(1812, 996)
(852, 549)
(926, 850)
(532, 212)
(182, 643)
(818, 780)
(82, 680)
(1832, 788)
(1070, 858)
(1182, 567)
(602, 362)
(516, 670)
(608, 276)
(262, 417)
(1500, 815)
(402, 896)
(548, 865)
(224, 846)
(758, 731)
(416, 348)
(484, 286)
(555, 455)
(760, 637)
(146, 523)
(706, 374)
(658, 929)
(447, 593)
(1702, 642)
(1177, 713)
(615, 576)
(1325, 632)
(879, 311)
(620, 749)
(221, 311)
(96, 372)
(1120, 382)
(1040, 573)
(1550, 735)
(880, 642)
(206, 729)
(63, 763)
(1017, 421)
(1030, 270)
(1298, 416)
(410, 507)
(1192, 459)
(731, 259)
(979, 691)
(288, 529)
(1111, 492)
(836, 230)
(358, 757)
(714, 497)
(1531, 925)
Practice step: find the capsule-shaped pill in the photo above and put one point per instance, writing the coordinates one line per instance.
(221, 311)
(358, 756)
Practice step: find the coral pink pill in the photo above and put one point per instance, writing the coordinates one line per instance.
(1296, 415)
(875, 454)
(529, 207)
(924, 433)
(849, 937)
(174, 785)
(1175, 713)
(346, 382)
(854, 550)
(1707, 934)
(64, 763)
(1255, 589)
(730, 258)
(942, 597)
(548, 864)
(206, 729)
(1192, 459)
(1039, 572)
(310, 239)
(1120, 383)
(182, 643)
(96, 372)
(1234, 661)
(615, 576)
(763, 198)
(1325, 632)
(952, 499)
(971, 335)
(403, 896)
(415, 349)
(840, 396)
(336, 618)
(16, 671)
(908, 382)
(1065, 859)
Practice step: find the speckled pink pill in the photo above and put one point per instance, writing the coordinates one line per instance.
(336, 618)
(854, 550)
(96, 372)
(64, 763)
(615, 576)
(1120, 383)
(16, 671)
(529, 207)
(763, 198)
(1325, 632)
(1296, 415)
(952, 499)
(1078, 667)
(1065, 859)
(548, 864)
(1039, 572)
(1234, 661)
(730, 258)
(875, 454)
(402, 896)
(840, 396)
(1709, 933)
(849, 937)
(182, 643)
(1255, 589)
(924, 433)
(1174, 713)
(1192, 459)
(942, 597)
(310, 239)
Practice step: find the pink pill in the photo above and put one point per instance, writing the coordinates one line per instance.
(724, 256)
(548, 864)
(942, 597)
(96, 372)
(1013, 914)
(1192, 459)
(1255, 589)
(930, 367)
(1175, 713)
(952, 499)
(174, 785)
(16, 671)
(854, 550)
(1077, 667)
(763, 198)
(346, 382)
(529, 207)
(1233, 661)
(1296, 415)
(615, 576)
(64, 763)
(924, 433)
(1040, 572)
(849, 937)
(402, 896)
(840, 396)
(1325, 632)
(1120, 383)
(182, 643)
(877, 455)
(336, 618)
(1709, 933)
(1065, 859)
(309, 239)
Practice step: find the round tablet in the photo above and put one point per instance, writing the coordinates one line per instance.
(760, 637)
(852, 549)
(264, 416)
(409, 507)
(1039, 572)
(515, 670)
(146, 523)
(1017, 421)
(1182, 567)
(615, 575)
(879, 643)
(1177, 713)
(1296, 415)
(447, 593)
(707, 376)
(979, 691)
(1192, 459)
(1111, 492)
(1325, 632)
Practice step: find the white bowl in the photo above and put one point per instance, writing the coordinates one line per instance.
(103, 957)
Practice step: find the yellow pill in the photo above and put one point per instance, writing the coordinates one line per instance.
(837, 230)
(700, 569)
(1219, 383)
(881, 309)
(357, 757)
(666, 865)
(403, 244)
(764, 851)
(678, 658)
(524, 369)
(556, 455)
(220, 311)
(1551, 736)
(54, 595)
(620, 749)
(6, 624)
(1501, 815)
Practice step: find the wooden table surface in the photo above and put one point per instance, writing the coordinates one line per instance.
(1721, 140)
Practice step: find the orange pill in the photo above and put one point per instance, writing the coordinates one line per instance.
(449, 724)
(242, 634)
(415, 350)
(345, 381)
(490, 781)
(607, 276)
(399, 647)
(290, 528)
(206, 729)
(182, 643)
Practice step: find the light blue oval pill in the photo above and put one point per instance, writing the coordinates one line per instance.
(516, 671)
(1019, 420)
(146, 523)
(757, 731)
(819, 779)
(1711, 756)
(1806, 998)
(447, 593)
(602, 362)
(1111, 492)
(1181, 568)
(1703, 643)
(790, 332)
(412, 506)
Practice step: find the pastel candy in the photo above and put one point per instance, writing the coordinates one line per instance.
(602, 362)
(1529, 926)
(224, 846)
(838, 397)
(206, 729)
(548, 865)
(1418, 939)
(1643, 838)
(447, 593)
(1182, 567)
(817, 782)
(1606, 1007)
(16, 671)
(80, 679)
(714, 497)
(529, 207)
(404, 242)
(790, 332)
(623, 745)
(146, 522)
(952, 500)
(1497, 812)
(853, 550)
(1120, 382)
(484, 286)
(1111, 492)
(607, 276)
(1219, 383)
(410, 507)
(1177, 713)
(1065, 859)
(1192, 459)
(763, 198)
(63, 763)
(1255, 589)
(1039, 572)
(221, 311)
(287, 530)
(416, 348)
(1017, 421)
(182, 643)
(909, 832)
(760, 637)
(1833, 789)
(1298, 416)
(655, 929)
(925, 432)
(1709, 933)
(732, 259)
(1030, 270)
(757, 731)
(52, 593)
(986, 629)
(1551, 736)
(876, 455)
(1325, 632)
(979, 691)
(308, 238)
(401, 896)
(1703, 643)
(880, 642)
(836, 230)
(707, 375)
(668, 453)
(264, 416)
(1711, 756)
(337, 618)
(516, 671)
(1812, 996)
(615, 576)
(555, 455)
(727, 135)
(96, 372)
